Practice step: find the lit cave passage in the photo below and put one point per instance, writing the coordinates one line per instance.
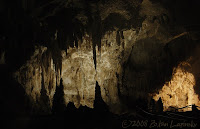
(98, 61)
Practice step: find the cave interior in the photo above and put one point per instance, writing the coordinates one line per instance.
(94, 63)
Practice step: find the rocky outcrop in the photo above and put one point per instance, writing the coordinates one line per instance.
(78, 71)
(78, 74)
(39, 79)
(115, 50)
(180, 91)
(40, 76)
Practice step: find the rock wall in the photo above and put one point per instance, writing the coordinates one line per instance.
(78, 74)
(115, 50)
(182, 90)
(40, 76)
(39, 79)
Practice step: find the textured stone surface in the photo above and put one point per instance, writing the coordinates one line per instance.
(115, 50)
(179, 92)
(78, 74)
(35, 76)
(183, 88)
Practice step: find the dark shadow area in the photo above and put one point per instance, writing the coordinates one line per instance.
(71, 117)
(115, 20)
(58, 100)
(15, 104)
(195, 69)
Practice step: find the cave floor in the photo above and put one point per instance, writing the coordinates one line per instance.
(93, 119)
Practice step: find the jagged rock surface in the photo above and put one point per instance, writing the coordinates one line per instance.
(180, 92)
(78, 74)
(36, 77)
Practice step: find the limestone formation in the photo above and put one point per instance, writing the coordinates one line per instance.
(179, 91)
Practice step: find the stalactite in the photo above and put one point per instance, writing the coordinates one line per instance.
(94, 55)
(44, 101)
(118, 38)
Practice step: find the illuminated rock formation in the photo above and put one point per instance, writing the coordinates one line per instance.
(78, 74)
(36, 76)
(115, 50)
(179, 92)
